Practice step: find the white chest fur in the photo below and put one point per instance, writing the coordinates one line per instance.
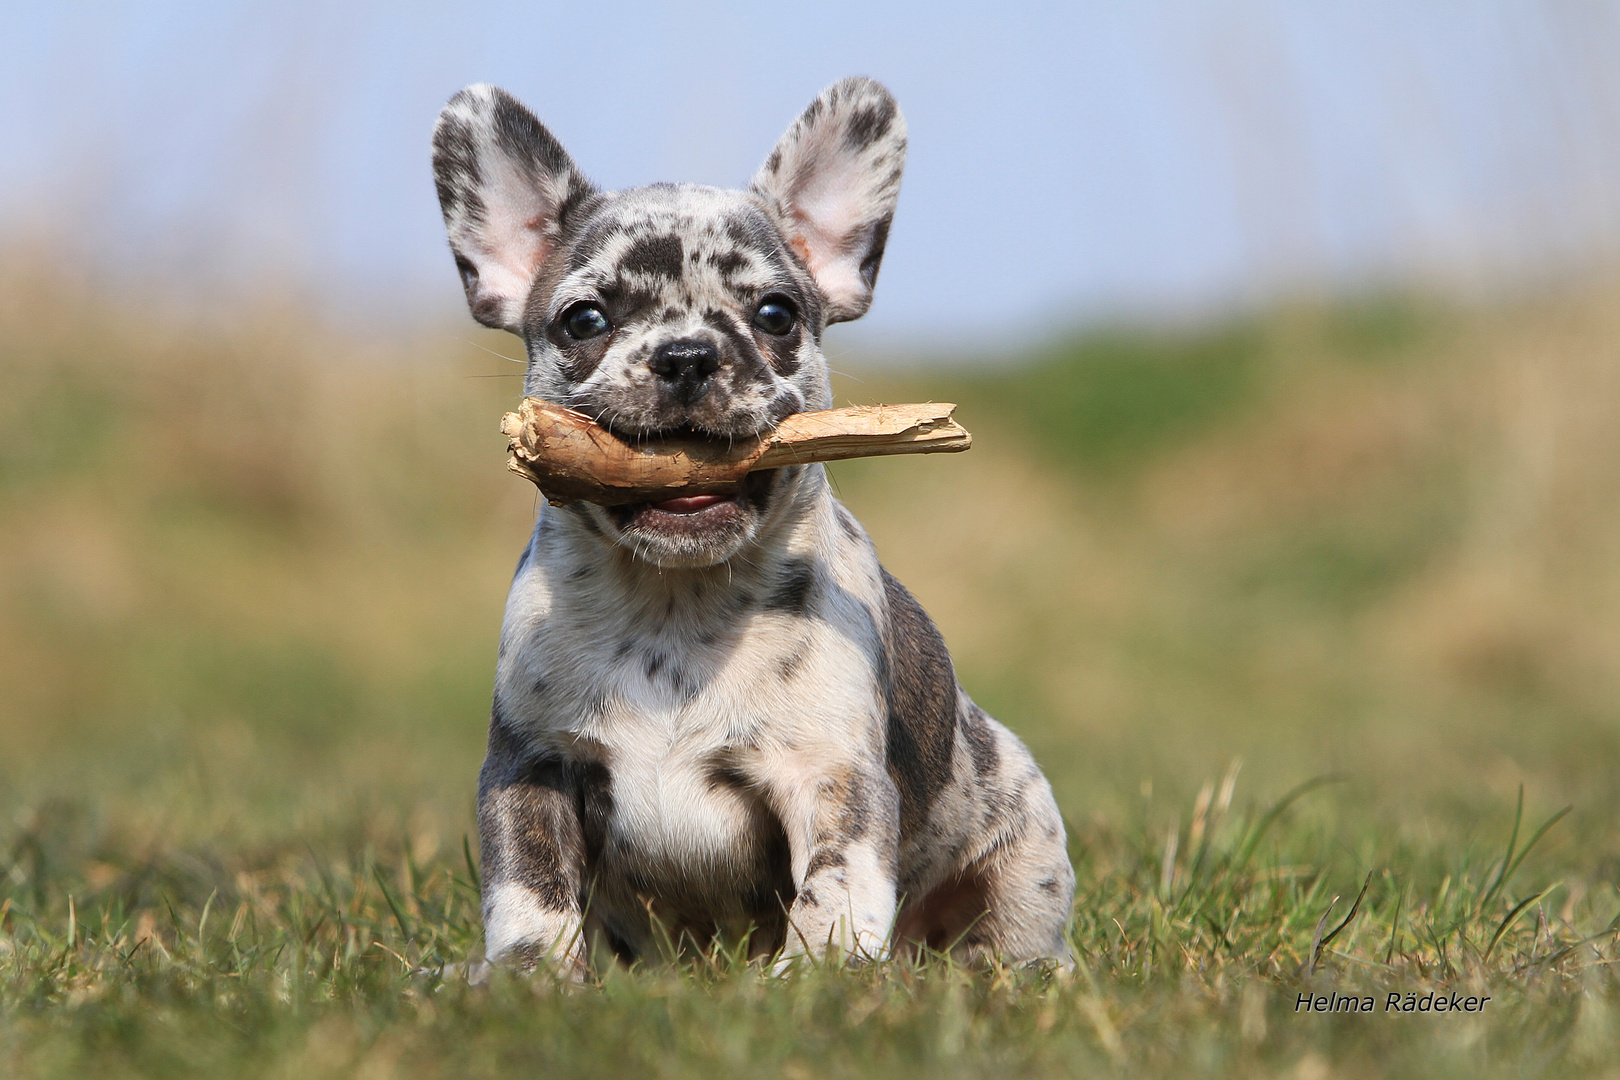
(687, 691)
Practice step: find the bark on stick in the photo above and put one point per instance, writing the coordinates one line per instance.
(570, 457)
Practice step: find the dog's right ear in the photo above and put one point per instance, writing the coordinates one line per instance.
(505, 186)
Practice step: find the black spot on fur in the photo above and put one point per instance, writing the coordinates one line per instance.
(541, 687)
(874, 252)
(788, 666)
(729, 263)
(783, 352)
(655, 664)
(855, 819)
(660, 255)
(595, 805)
(795, 587)
(868, 124)
(759, 488)
(824, 859)
(845, 810)
(719, 771)
(981, 741)
(527, 957)
(784, 405)
(920, 692)
(1050, 886)
(623, 649)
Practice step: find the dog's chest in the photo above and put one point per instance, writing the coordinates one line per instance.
(673, 809)
(664, 700)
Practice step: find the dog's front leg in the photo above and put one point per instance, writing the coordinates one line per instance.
(533, 857)
(842, 821)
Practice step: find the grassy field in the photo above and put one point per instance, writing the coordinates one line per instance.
(1312, 617)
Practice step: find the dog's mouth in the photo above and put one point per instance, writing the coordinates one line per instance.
(698, 521)
(687, 505)
(691, 529)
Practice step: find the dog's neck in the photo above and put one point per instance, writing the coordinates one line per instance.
(789, 531)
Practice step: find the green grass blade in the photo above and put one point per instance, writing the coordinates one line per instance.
(1512, 916)
(1513, 838)
(472, 867)
(1252, 841)
(389, 897)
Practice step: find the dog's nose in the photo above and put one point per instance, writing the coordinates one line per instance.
(686, 365)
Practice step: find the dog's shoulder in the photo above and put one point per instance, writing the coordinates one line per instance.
(920, 693)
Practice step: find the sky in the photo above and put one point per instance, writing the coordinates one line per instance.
(1068, 162)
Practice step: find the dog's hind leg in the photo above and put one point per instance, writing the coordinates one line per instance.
(1028, 888)
(1010, 898)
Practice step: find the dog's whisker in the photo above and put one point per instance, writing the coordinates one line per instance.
(492, 352)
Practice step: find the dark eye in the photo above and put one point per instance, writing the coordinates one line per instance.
(774, 316)
(585, 320)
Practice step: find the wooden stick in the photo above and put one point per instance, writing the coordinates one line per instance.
(571, 458)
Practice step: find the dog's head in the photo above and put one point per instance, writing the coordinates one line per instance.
(674, 308)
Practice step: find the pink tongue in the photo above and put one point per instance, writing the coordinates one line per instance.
(689, 504)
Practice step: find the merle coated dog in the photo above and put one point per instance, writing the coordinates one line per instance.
(720, 716)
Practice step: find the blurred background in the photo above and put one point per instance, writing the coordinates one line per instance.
(1287, 331)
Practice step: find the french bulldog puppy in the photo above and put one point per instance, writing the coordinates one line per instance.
(720, 716)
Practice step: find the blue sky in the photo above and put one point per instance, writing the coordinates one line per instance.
(1067, 161)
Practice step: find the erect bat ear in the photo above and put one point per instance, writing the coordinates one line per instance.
(505, 186)
(831, 184)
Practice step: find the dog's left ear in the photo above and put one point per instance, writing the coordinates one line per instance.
(831, 184)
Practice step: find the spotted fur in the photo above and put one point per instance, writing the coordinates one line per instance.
(735, 721)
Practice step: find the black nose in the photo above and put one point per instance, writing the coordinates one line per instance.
(686, 365)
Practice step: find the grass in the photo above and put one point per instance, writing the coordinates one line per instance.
(123, 958)
(1364, 548)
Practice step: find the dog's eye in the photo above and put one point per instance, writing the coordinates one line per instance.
(774, 316)
(585, 320)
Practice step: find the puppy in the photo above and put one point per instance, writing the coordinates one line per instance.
(720, 716)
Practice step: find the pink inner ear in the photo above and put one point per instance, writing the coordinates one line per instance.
(510, 244)
(829, 205)
(837, 273)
